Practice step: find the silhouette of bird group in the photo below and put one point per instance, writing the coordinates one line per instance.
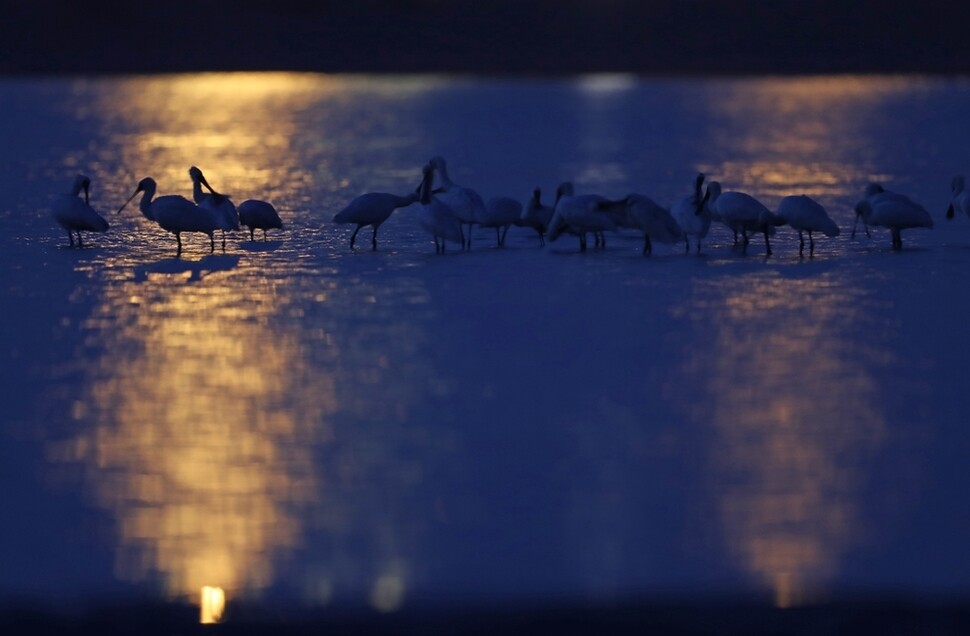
(449, 212)
(208, 212)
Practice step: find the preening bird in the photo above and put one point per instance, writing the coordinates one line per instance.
(643, 213)
(536, 215)
(372, 209)
(435, 216)
(579, 215)
(76, 215)
(804, 214)
(259, 215)
(220, 204)
(174, 213)
(467, 204)
(693, 216)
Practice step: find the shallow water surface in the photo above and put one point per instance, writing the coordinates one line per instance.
(290, 420)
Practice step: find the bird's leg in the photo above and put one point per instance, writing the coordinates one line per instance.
(212, 242)
(735, 236)
(811, 244)
(504, 232)
(178, 237)
(854, 224)
(469, 246)
(687, 244)
(264, 235)
(498, 237)
(897, 240)
(80, 243)
(647, 247)
(373, 239)
(253, 238)
(70, 237)
(542, 240)
(353, 237)
(767, 244)
(801, 243)
(223, 242)
(582, 242)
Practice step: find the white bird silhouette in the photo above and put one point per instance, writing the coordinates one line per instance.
(174, 213)
(467, 204)
(259, 215)
(892, 210)
(742, 213)
(220, 204)
(579, 215)
(804, 214)
(75, 215)
(655, 221)
(536, 215)
(501, 213)
(693, 216)
(372, 209)
(436, 217)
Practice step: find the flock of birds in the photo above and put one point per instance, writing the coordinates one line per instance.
(208, 212)
(448, 212)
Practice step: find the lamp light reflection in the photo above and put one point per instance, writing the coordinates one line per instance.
(793, 416)
(212, 605)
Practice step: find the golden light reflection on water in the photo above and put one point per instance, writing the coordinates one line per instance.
(202, 443)
(779, 136)
(206, 413)
(794, 422)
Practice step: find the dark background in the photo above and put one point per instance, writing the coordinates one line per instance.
(520, 37)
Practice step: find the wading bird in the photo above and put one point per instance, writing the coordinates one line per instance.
(891, 210)
(220, 204)
(174, 213)
(742, 213)
(804, 214)
(643, 213)
(579, 215)
(75, 215)
(536, 215)
(501, 213)
(467, 204)
(259, 215)
(372, 209)
(693, 216)
(436, 217)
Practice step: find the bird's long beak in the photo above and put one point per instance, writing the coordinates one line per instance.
(128, 201)
(206, 184)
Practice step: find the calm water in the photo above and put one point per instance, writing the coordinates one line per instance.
(288, 420)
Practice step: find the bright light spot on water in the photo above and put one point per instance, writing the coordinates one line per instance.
(388, 593)
(212, 605)
(606, 83)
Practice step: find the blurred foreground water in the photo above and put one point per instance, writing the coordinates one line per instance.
(306, 427)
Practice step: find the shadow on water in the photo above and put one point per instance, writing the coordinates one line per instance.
(197, 270)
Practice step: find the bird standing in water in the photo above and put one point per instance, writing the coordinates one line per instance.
(75, 215)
